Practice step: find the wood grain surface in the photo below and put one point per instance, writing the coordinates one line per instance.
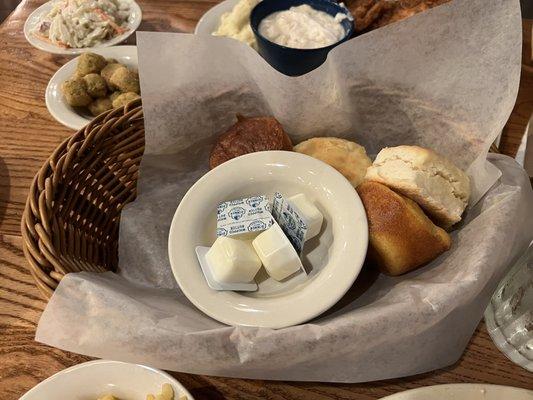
(24, 363)
(28, 134)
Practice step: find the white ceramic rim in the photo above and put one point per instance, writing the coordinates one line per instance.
(299, 306)
(55, 102)
(211, 18)
(31, 21)
(90, 364)
(461, 386)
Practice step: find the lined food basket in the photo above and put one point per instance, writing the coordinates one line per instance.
(72, 214)
(71, 218)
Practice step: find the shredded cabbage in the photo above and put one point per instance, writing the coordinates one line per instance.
(84, 23)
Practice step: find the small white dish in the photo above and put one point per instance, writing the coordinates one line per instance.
(333, 259)
(36, 16)
(463, 391)
(94, 379)
(211, 19)
(55, 101)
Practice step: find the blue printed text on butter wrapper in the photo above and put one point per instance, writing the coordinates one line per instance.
(242, 216)
(290, 221)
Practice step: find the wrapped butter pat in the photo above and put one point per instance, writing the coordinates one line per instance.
(290, 221)
(247, 217)
(277, 253)
(310, 214)
(233, 260)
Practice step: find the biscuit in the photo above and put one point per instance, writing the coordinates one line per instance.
(347, 157)
(434, 182)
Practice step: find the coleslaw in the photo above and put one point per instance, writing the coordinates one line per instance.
(84, 23)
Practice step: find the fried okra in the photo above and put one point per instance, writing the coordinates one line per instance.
(126, 80)
(98, 106)
(124, 99)
(107, 71)
(90, 63)
(75, 92)
(96, 86)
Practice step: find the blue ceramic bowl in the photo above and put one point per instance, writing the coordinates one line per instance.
(291, 61)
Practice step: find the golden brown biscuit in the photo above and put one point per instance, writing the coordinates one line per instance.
(434, 182)
(249, 135)
(401, 236)
(347, 157)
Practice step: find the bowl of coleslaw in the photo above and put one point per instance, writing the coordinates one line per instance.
(73, 26)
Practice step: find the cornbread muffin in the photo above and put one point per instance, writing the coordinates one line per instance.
(401, 237)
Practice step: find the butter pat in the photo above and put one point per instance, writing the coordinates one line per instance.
(290, 221)
(277, 253)
(233, 260)
(312, 217)
(246, 217)
(201, 252)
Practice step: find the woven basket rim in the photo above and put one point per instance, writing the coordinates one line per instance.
(100, 159)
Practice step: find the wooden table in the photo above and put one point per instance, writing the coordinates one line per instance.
(28, 134)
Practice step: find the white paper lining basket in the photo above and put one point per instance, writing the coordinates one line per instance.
(446, 97)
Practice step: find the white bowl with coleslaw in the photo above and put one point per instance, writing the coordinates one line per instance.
(94, 21)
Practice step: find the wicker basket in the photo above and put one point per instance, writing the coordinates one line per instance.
(72, 214)
(70, 222)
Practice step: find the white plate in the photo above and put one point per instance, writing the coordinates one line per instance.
(35, 17)
(55, 102)
(333, 259)
(211, 19)
(464, 391)
(93, 379)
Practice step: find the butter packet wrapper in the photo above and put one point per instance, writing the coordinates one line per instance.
(290, 221)
(248, 216)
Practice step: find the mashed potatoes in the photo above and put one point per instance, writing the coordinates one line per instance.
(236, 24)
